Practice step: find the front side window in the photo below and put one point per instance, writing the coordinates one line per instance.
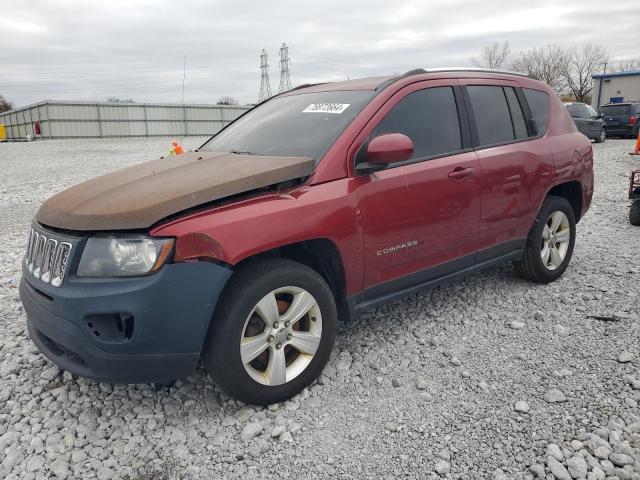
(592, 112)
(303, 125)
(491, 114)
(429, 118)
(539, 105)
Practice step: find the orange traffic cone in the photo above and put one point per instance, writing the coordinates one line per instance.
(177, 148)
(636, 151)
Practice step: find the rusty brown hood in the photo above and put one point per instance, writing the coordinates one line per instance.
(139, 196)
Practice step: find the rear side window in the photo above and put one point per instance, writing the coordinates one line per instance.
(491, 113)
(615, 110)
(517, 117)
(429, 118)
(539, 105)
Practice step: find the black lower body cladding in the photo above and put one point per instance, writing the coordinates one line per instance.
(131, 330)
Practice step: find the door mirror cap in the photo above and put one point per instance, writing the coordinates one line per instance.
(389, 148)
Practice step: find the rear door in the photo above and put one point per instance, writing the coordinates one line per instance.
(420, 218)
(581, 118)
(515, 162)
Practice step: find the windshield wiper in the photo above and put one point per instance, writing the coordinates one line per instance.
(241, 152)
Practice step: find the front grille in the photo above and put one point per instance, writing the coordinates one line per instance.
(47, 258)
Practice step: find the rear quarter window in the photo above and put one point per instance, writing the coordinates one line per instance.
(539, 105)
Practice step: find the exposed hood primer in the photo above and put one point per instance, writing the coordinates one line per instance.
(140, 196)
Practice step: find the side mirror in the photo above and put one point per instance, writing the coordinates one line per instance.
(385, 149)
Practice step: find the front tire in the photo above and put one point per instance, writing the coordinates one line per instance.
(272, 333)
(549, 246)
(602, 137)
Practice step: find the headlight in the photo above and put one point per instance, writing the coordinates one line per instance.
(123, 256)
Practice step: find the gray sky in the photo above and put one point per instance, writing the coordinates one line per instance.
(91, 50)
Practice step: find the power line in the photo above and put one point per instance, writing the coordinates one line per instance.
(265, 85)
(285, 75)
(184, 75)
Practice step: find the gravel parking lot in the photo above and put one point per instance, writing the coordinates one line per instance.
(488, 377)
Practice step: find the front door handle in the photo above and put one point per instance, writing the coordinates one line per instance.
(460, 173)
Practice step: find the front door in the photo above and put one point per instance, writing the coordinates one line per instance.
(420, 217)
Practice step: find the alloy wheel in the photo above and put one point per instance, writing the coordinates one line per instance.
(281, 336)
(556, 236)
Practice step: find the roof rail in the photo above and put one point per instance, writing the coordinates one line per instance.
(469, 69)
(421, 71)
(307, 85)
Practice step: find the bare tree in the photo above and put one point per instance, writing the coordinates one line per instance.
(495, 55)
(5, 105)
(627, 65)
(583, 62)
(227, 100)
(547, 64)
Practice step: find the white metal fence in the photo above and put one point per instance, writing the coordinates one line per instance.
(58, 119)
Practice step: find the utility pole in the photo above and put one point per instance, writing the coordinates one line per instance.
(265, 85)
(285, 75)
(184, 75)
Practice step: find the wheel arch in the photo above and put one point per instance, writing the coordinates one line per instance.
(572, 192)
(320, 254)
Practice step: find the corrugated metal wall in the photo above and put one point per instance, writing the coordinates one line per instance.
(105, 119)
(626, 87)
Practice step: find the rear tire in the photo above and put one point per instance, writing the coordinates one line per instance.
(549, 246)
(634, 213)
(259, 347)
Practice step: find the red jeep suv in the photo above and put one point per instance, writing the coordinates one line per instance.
(315, 205)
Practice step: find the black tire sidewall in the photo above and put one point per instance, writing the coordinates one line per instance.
(634, 213)
(538, 270)
(221, 353)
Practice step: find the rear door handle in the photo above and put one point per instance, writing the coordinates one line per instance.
(460, 173)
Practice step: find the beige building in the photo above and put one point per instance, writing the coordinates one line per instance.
(615, 87)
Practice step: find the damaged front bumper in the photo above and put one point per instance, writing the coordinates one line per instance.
(131, 330)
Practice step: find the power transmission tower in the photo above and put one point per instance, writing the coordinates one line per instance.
(265, 85)
(285, 75)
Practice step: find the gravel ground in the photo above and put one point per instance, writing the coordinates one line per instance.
(488, 377)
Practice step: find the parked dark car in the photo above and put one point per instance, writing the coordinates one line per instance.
(588, 121)
(621, 119)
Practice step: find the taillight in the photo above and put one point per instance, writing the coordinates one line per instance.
(633, 119)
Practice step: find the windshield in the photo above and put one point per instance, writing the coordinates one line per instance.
(304, 125)
(611, 110)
